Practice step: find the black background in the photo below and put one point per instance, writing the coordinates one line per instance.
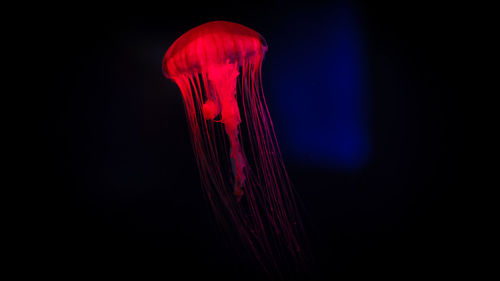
(121, 193)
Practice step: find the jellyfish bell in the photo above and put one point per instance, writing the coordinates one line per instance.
(217, 67)
(213, 43)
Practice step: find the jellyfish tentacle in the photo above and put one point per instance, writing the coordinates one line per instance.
(223, 78)
(210, 109)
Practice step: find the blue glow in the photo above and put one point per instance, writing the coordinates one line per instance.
(318, 90)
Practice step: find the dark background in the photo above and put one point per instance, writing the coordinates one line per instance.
(122, 194)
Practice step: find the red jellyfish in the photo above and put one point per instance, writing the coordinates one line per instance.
(217, 67)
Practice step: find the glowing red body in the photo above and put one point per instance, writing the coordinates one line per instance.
(217, 66)
(213, 43)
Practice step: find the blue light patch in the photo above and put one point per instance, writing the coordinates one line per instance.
(318, 91)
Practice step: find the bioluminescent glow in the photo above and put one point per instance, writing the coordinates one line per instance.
(217, 67)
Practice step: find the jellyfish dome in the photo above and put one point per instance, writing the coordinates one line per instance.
(213, 43)
(217, 67)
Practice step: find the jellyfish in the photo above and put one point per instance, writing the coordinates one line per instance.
(217, 67)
